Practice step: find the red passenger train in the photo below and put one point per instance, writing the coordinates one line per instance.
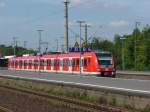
(92, 63)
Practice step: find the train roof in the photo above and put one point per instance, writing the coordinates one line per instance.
(55, 55)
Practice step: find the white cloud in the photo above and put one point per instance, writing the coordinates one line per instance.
(2, 4)
(120, 23)
(77, 2)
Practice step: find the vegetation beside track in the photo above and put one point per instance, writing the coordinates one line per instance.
(94, 97)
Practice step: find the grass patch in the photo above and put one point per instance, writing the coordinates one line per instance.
(146, 109)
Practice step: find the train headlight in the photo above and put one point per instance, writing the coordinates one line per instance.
(98, 69)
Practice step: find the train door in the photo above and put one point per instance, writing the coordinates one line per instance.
(25, 64)
(16, 64)
(56, 64)
(76, 64)
(87, 65)
(66, 65)
(12, 64)
(30, 64)
(42, 64)
(73, 64)
(35, 64)
(48, 67)
(20, 64)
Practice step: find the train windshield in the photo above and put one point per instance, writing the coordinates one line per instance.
(105, 59)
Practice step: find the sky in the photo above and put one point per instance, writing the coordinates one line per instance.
(22, 19)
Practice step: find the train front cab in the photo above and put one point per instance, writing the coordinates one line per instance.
(105, 64)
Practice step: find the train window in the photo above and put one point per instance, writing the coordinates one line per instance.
(70, 62)
(77, 62)
(89, 60)
(67, 62)
(45, 63)
(105, 62)
(56, 62)
(61, 62)
(35, 62)
(73, 62)
(48, 62)
(16, 63)
(41, 62)
(12, 63)
(103, 55)
(85, 62)
(64, 62)
(20, 63)
(30, 63)
(25, 63)
(52, 62)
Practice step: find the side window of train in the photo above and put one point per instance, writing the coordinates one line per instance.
(12, 63)
(35, 62)
(77, 62)
(73, 62)
(25, 63)
(20, 63)
(30, 62)
(70, 62)
(52, 62)
(63, 62)
(85, 62)
(42, 62)
(16, 63)
(82, 63)
(60, 62)
(89, 60)
(45, 62)
(55, 62)
(67, 62)
(49, 62)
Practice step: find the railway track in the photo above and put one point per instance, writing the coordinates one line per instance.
(3, 109)
(73, 104)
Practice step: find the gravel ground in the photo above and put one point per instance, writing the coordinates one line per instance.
(20, 102)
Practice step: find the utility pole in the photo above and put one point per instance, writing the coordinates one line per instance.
(25, 44)
(123, 60)
(66, 2)
(86, 33)
(40, 41)
(57, 48)
(135, 43)
(80, 24)
(15, 44)
(46, 44)
(15, 41)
